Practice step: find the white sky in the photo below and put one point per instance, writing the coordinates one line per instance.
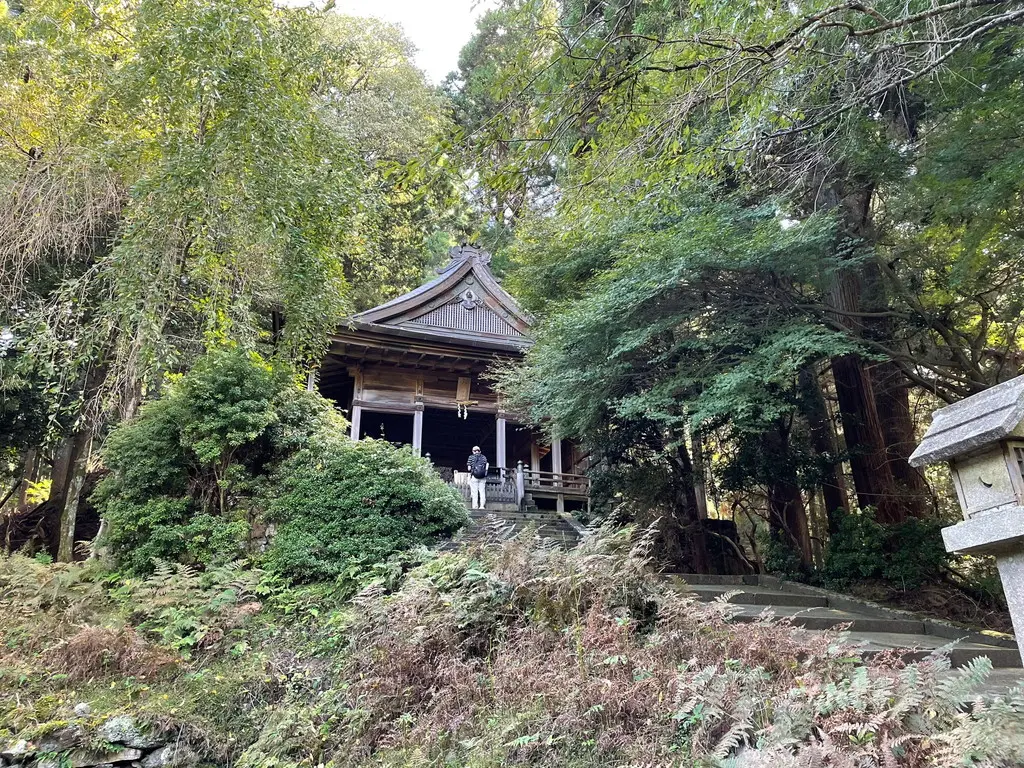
(438, 28)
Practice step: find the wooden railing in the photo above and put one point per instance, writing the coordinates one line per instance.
(501, 487)
(511, 484)
(556, 482)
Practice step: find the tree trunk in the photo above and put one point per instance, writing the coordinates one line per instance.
(865, 441)
(70, 464)
(60, 478)
(893, 404)
(823, 441)
(699, 477)
(788, 518)
(28, 476)
(855, 288)
(69, 514)
(686, 533)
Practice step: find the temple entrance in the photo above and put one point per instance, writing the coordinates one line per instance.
(393, 427)
(448, 438)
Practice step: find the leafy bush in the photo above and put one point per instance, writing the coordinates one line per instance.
(780, 556)
(908, 554)
(186, 472)
(340, 506)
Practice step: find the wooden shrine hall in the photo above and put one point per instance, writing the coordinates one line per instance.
(412, 371)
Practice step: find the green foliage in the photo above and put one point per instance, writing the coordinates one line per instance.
(510, 655)
(184, 609)
(780, 558)
(181, 175)
(341, 506)
(185, 473)
(908, 554)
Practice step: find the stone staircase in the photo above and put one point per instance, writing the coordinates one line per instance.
(877, 628)
(504, 519)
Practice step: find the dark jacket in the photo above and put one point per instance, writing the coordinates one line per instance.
(477, 464)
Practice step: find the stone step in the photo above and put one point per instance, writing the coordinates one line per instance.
(745, 595)
(496, 506)
(831, 618)
(515, 515)
(876, 629)
(695, 579)
(917, 647)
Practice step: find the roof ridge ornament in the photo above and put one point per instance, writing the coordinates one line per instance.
(459, 254)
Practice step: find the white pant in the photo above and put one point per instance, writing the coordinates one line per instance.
(478, 491)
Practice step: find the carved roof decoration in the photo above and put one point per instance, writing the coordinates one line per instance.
(464, 305)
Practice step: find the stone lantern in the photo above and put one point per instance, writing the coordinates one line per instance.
(982, 439)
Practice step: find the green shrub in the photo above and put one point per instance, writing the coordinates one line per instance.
(780, 557)
(341, 506)
(186, 473)
(908, 554)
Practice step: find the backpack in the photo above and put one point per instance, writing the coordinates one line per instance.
(479, 464)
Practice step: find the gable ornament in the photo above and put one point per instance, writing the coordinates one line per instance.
(470, 300)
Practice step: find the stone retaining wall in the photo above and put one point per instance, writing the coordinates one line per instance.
(117, 742)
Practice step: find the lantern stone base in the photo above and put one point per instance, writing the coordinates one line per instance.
(999, 533)
(987, 533)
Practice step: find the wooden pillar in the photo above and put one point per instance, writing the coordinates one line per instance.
(310, 382)
(357, 393)
(556, 469)
(556, 456)
(357, 417)
(500, 428)
(417, 430)
(534, 454)
(417, 416)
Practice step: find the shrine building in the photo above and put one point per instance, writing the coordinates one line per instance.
(413, 371)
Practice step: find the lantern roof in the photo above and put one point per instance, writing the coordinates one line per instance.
(972, 423)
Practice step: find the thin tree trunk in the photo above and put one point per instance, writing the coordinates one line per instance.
(699, 478)
(823, 441)
(7, 496)
(28, 476)
(686, 534)
(69, 515)
(785, 502)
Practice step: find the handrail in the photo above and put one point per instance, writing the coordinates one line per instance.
(558, 482)
(514, 483)
(545, 474)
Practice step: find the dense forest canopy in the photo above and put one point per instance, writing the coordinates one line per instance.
(779, 234)
(761, 241)
(183, 175)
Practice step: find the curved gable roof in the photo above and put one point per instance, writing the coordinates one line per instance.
(464, 303)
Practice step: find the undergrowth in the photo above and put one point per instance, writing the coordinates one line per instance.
(508, 654)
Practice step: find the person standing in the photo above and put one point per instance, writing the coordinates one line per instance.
(477, 466)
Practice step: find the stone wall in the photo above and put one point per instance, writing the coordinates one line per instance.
(117, 742)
